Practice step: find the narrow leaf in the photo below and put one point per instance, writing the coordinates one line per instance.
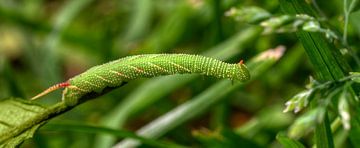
(288, 142)
(118, 133)
(326, 59)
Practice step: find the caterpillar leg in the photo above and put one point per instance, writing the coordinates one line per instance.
(51, 89)
(71, 95)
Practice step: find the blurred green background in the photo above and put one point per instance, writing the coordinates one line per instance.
(44, 42)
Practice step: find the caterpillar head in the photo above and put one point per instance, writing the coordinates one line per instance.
(241, 72)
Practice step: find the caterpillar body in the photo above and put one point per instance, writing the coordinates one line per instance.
(115, 73)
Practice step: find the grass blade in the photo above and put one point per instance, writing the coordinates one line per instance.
(117, 133)
(287, 142)
(49, 61)
(327, 60)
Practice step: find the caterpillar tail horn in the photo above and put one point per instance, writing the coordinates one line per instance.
(51, 89)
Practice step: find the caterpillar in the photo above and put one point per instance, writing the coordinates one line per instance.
(115, 73)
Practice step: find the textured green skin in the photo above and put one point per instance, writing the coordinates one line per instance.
(115, 73)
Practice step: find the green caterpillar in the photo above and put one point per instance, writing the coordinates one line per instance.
(118, 72)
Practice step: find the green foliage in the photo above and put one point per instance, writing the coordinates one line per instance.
(117, 133)
(18, 121)
(288, 142)
(282, 23)
(222, 138)
(47, 42)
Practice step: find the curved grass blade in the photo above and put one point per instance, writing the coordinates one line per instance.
(171, 30)
(288, 142)
(118, 133)
(141, 18)
(48, 63)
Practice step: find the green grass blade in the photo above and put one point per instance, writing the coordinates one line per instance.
(267, 118)
(214, 94)
(288, 142)
(141, 19)
(49, 62)
(95, 129)
(323, 135)
(171, 30)
(326, 59)
(38, 26)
